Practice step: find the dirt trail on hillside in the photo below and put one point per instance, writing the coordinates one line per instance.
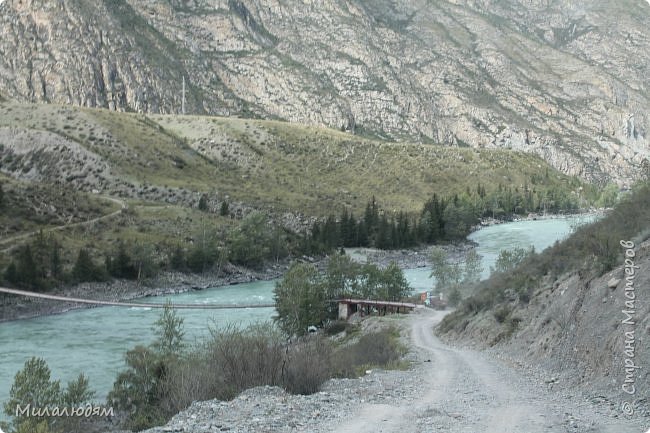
(16, 239)
(468, 392)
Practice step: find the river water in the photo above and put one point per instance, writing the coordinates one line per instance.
(93, 341)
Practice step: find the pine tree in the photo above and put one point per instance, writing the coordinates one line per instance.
(362, 234)
(433, 218)
(383, 240)
(26, 267)
(225, 209)
(203, 203)
(343, 228)
(84, 269)
(331, 234)
(56, 265)
(371, 219)
(11, 274)
(122, 264)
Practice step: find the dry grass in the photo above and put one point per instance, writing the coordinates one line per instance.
(279, 165)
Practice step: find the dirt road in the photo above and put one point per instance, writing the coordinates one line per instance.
(468, 392)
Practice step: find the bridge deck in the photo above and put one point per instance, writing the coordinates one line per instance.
(129, 304)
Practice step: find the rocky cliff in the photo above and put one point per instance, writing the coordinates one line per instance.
(565, 81)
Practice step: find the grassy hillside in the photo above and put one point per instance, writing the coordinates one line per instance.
(159, 168)
(28, 207)
(263, 163)
(319, 170)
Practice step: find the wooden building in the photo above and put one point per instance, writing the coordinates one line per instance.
(347, 307)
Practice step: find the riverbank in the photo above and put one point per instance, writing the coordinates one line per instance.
(409, 258)
(15, 308)
(487, 222)
(170, 283)
(167, 283)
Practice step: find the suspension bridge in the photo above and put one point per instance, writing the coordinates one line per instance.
(73, 300)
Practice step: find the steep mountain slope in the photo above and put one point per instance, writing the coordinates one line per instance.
(564, 81)
(573, 329)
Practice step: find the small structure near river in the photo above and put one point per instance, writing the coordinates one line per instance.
(348, 307)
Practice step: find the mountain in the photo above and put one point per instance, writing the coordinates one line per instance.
(563, 80)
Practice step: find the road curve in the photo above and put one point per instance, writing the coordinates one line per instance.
(468, 392)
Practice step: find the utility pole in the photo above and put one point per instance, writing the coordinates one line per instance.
(183, 100)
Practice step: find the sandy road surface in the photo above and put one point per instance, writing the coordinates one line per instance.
(467, 391)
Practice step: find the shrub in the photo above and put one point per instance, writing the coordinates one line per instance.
(308, 364)
(513, 324)
(246, 357)
(337, 326)
(510, 259)
(502, 313)
(237, 359)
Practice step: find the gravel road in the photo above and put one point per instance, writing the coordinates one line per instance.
(467, 391)
(448, 389)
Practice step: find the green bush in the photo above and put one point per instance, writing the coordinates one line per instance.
(246, 357)
(234, 359)
(337, 326)
(157, 385)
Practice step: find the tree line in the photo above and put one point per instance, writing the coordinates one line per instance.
(41, 264)
(440, 219)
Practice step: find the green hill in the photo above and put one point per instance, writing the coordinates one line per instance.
(160, 167)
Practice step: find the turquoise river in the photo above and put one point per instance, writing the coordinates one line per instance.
(94, 340)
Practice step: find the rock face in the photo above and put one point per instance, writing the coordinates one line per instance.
(565, 81)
